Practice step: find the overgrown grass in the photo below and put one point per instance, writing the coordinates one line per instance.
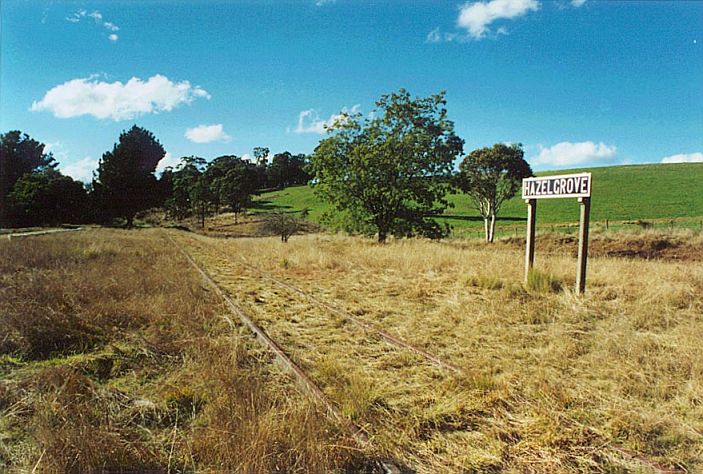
(551, 381)
(114, 358)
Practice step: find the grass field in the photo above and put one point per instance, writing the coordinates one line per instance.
(114, 358)
(659, 193)
(548, 382)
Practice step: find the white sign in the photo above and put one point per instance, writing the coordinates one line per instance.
(563, 186)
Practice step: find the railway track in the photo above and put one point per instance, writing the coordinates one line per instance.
(19, 235)
(369, 382)
(305, 340)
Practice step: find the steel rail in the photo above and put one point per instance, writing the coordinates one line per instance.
(388, 338)
(305, 382)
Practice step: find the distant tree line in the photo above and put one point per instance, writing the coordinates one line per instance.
(33, 192)
(388, 173)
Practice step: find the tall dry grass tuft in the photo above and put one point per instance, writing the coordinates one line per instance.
(251, 426)
(73, 428)
(115, 358)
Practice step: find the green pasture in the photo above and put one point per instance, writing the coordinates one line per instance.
(624, 196)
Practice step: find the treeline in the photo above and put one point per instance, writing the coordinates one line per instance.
(199, 188)
(34, 192)
(387, 174)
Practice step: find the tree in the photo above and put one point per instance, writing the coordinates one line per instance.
(184, 179)
(201, 198)
(287, 169)
(47, 198)
(260, 156)
(125, 178)
(284, 225)
(237, 186)
(19, 155)
(490, 176)
(393, 169)
(215, 171)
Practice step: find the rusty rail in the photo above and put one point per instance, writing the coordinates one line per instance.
(305, 382)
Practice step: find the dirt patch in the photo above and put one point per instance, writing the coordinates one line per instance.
(647, 246)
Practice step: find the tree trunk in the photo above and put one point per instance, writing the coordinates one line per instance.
(130, 222)
(382, 236)
(486, 229)
(493, 228)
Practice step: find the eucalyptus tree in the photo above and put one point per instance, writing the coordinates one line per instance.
(491, 176)
(391, 169)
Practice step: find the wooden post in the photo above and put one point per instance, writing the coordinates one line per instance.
(530, 242)
(583, 244)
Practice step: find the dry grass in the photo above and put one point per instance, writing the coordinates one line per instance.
(114, 358)
(551, 382)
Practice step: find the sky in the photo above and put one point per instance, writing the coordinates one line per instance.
(580, 83)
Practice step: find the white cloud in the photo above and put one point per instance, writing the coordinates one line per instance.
(56, 149)
(98, 17)
(309, 121)
(434, 36)
(81, 170)
(684, 158)
(76, 17)
(438, 36)
(577, 3)
(475, 17)
(207, 134)
(322, 3)
(116, 100)
(568, 153)
(111, 26)
(166, 161)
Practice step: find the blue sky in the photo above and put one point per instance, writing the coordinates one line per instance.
(579, 83)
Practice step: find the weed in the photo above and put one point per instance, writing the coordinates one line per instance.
(540, 282)
(488, 282)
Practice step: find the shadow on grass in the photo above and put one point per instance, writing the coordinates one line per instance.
(480, 219)
(266, 205)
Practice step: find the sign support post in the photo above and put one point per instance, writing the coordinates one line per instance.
(583, 244)
(530, 242)
(563, 186)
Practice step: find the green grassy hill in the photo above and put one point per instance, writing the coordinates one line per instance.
(658, 193)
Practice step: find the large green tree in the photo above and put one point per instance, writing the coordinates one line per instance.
(392, 169)
(125, 180)
(491, 176)
(47, 198)
(19, 155)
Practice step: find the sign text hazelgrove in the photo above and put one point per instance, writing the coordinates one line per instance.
(566, 185)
